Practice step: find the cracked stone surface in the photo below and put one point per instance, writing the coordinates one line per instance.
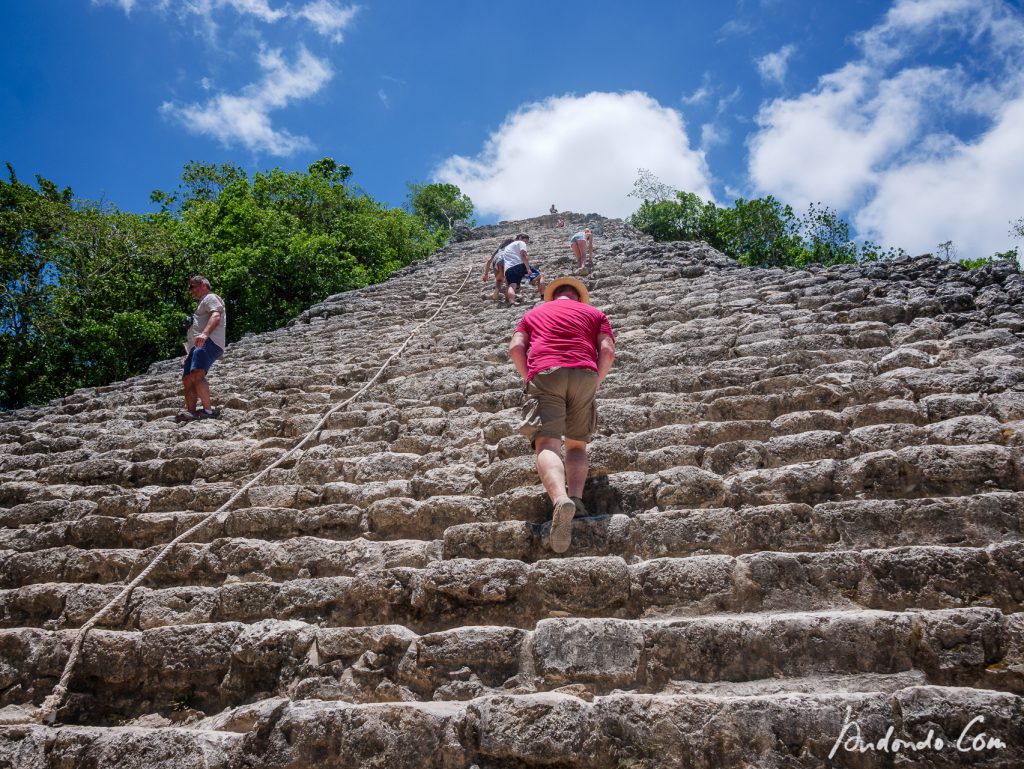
(807, 492)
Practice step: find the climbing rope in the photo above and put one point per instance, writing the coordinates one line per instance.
(48, 710)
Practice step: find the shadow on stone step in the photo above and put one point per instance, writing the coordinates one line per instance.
(625, 497)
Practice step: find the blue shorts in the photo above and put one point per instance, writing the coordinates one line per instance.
(201, 357)
(515, 275)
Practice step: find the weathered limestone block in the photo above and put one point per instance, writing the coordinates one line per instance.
(808, 482)
(689, 487)
(385, 466)
(878, 473)
(966, 429)
(453, 480)
(893, 437)
(714, 433)
(807, 421)
(617, 418)
(956, 646)
(936, 577)
(339, 736)
(696, 585)
(587, 586)
(506, 475)
(470, 583)
(532, 730)
(610, 455)
(804, 447)
(176, 606)
(38, 747)
(362, 494)
(887, 412)
(487, 655)
(962, 469)
(783, 581)
(505, 539)
(746, 407)
(1007, 406)
(603, 651)
(904, 357)
(742, 649)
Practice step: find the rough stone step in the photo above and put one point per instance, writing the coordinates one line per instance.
(730, 447)
(164, 747)
(107, 499)
(446, 594)
(947, 726)
(915, 471)
(973, 521)
(387, 517)
(218, 666)
(934, 469)
(214, 563)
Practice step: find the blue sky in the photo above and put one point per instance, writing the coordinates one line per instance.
(907, 116)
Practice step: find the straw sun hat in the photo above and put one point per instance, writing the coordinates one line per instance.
(559, 282)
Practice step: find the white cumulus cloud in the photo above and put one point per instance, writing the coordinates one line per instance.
(261, 9)
(875, 140)
(829, 145)
(327, 18)
(772, 67)
(245, 118)
(582, 152)
(126, 5)
(968, 195)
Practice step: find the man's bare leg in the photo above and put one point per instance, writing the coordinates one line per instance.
(202, 388)
(576, 466)
(188, 383)
(552, 475)
(549, 466)
(577, 250)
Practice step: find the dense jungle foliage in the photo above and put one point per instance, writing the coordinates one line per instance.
(765, 232)
(91, 294)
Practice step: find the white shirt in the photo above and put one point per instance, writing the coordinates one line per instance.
(512, 254)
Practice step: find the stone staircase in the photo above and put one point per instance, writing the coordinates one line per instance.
(807, 491)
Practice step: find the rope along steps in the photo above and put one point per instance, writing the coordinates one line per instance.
(46, 713)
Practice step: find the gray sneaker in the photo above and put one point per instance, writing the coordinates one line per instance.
(581, 509)
(561, 524)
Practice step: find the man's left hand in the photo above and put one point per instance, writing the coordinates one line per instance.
(200, 340)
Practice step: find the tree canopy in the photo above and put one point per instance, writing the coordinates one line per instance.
(439, 206)
(91, 294)
(758, 232)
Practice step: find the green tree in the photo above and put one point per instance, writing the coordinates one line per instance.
(31, 223)
(85, 292)
(92, 294)
(649, 188)
(826, 237)
(685, 217)
(760, 232)
(439, 206)
(946, 250)
(280, 241)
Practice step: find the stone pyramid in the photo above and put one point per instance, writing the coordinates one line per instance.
(807, 491)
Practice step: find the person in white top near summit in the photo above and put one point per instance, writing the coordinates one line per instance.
(517, 266)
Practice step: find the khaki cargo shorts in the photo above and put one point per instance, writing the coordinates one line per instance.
(560, 403)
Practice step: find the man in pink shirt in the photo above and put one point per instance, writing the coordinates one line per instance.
(564, 349)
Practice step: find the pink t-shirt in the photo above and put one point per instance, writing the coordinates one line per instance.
(563, 333)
